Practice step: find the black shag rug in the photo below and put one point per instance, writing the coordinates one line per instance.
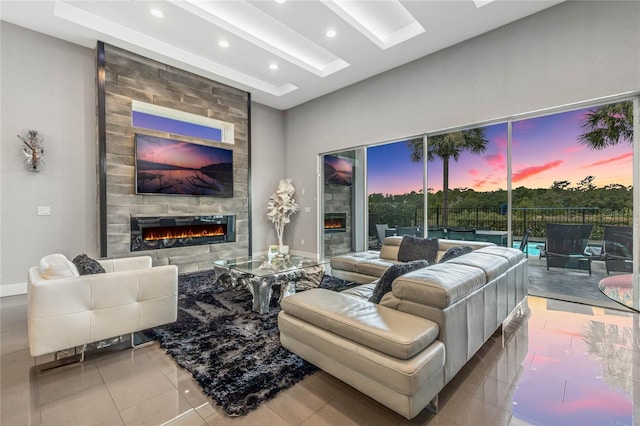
(231, 351)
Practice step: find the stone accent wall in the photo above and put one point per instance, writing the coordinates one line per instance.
(132, 77)
(338, 199)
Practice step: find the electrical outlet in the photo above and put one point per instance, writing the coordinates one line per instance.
(307, 209)
(301, 242)
(44, 211)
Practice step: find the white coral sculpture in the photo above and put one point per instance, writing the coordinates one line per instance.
(281, 207)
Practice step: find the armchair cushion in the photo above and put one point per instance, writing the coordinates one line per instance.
(55, 266)
(384, 282)
(87, 265)
(415, 248)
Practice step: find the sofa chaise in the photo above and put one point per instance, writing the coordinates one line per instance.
(405, 349)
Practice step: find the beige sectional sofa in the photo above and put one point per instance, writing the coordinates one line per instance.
(404, 350)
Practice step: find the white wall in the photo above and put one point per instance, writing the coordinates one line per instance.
(267, 168)
(572, 52)
(48, 85)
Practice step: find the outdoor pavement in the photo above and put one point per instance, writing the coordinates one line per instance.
(569, 284)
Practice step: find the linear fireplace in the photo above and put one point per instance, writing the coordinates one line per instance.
(335, 222)
(151, 233)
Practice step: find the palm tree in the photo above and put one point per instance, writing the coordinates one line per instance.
(450, 145)
(608, 125)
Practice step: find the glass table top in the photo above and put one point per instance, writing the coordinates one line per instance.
(262, 266)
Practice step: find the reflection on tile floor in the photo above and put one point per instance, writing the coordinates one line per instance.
(563, 364)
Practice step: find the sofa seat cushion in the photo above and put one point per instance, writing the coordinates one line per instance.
(383, 329)
(512, 255)
(493, 266)
(375, 267)
(348, 262)
(362, 292)
(439, 285)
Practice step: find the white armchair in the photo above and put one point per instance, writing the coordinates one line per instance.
(66, 310)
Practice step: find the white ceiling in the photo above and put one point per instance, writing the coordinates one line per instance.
(371, 36)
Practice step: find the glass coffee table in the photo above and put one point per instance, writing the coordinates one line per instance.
(259, 274)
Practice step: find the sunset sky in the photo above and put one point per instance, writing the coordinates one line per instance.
(544, 150)
(182, 154)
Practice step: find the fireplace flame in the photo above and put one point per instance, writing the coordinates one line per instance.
(333, 224)
(178, 232)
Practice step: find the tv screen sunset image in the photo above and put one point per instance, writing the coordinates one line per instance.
(165, 166)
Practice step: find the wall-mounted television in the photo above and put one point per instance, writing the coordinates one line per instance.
(338, 170)
(171, 167)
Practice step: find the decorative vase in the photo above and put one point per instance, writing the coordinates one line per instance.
(283, 249)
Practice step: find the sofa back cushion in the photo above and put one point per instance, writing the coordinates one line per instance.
(383, 284)
(440, 285)
(390, 247)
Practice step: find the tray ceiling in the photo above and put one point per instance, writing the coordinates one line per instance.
(284, 52)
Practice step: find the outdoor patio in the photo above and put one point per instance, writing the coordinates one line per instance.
(569, 284)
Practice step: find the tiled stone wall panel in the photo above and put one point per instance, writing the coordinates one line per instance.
(131, 77)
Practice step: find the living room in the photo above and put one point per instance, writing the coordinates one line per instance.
(570, 53)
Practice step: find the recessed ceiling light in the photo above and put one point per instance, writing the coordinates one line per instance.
(331, 33)
(223, 43)
(273, 66)
(157, 13)
(280, 1)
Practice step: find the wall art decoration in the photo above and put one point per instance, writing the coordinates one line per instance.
(33, 150)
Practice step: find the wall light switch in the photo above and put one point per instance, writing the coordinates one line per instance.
(44, 211)
(307, 209)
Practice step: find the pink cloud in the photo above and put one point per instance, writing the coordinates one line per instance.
(611, 160)
(497, 161)
(473, 172)
(534, 170)
(575, 148)
(597, 401)
(501, 143)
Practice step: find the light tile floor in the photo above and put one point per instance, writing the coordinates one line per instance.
(563, 364)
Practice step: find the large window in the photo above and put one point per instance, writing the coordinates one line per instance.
(505, 183)
(467, 184)
(395, 180)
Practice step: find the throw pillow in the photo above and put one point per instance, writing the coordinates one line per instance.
(454, 252)
(384, 283)
(415, 248)
(87, 265)
(56, 266)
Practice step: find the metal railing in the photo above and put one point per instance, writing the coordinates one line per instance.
(534, 218)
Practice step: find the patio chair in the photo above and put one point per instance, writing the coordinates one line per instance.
(565, 246)
(462, 234)
(617, 248)
(380, 231)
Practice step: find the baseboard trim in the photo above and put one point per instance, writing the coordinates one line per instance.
(13, 289)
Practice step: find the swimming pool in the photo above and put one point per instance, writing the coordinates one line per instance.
(532, 248)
